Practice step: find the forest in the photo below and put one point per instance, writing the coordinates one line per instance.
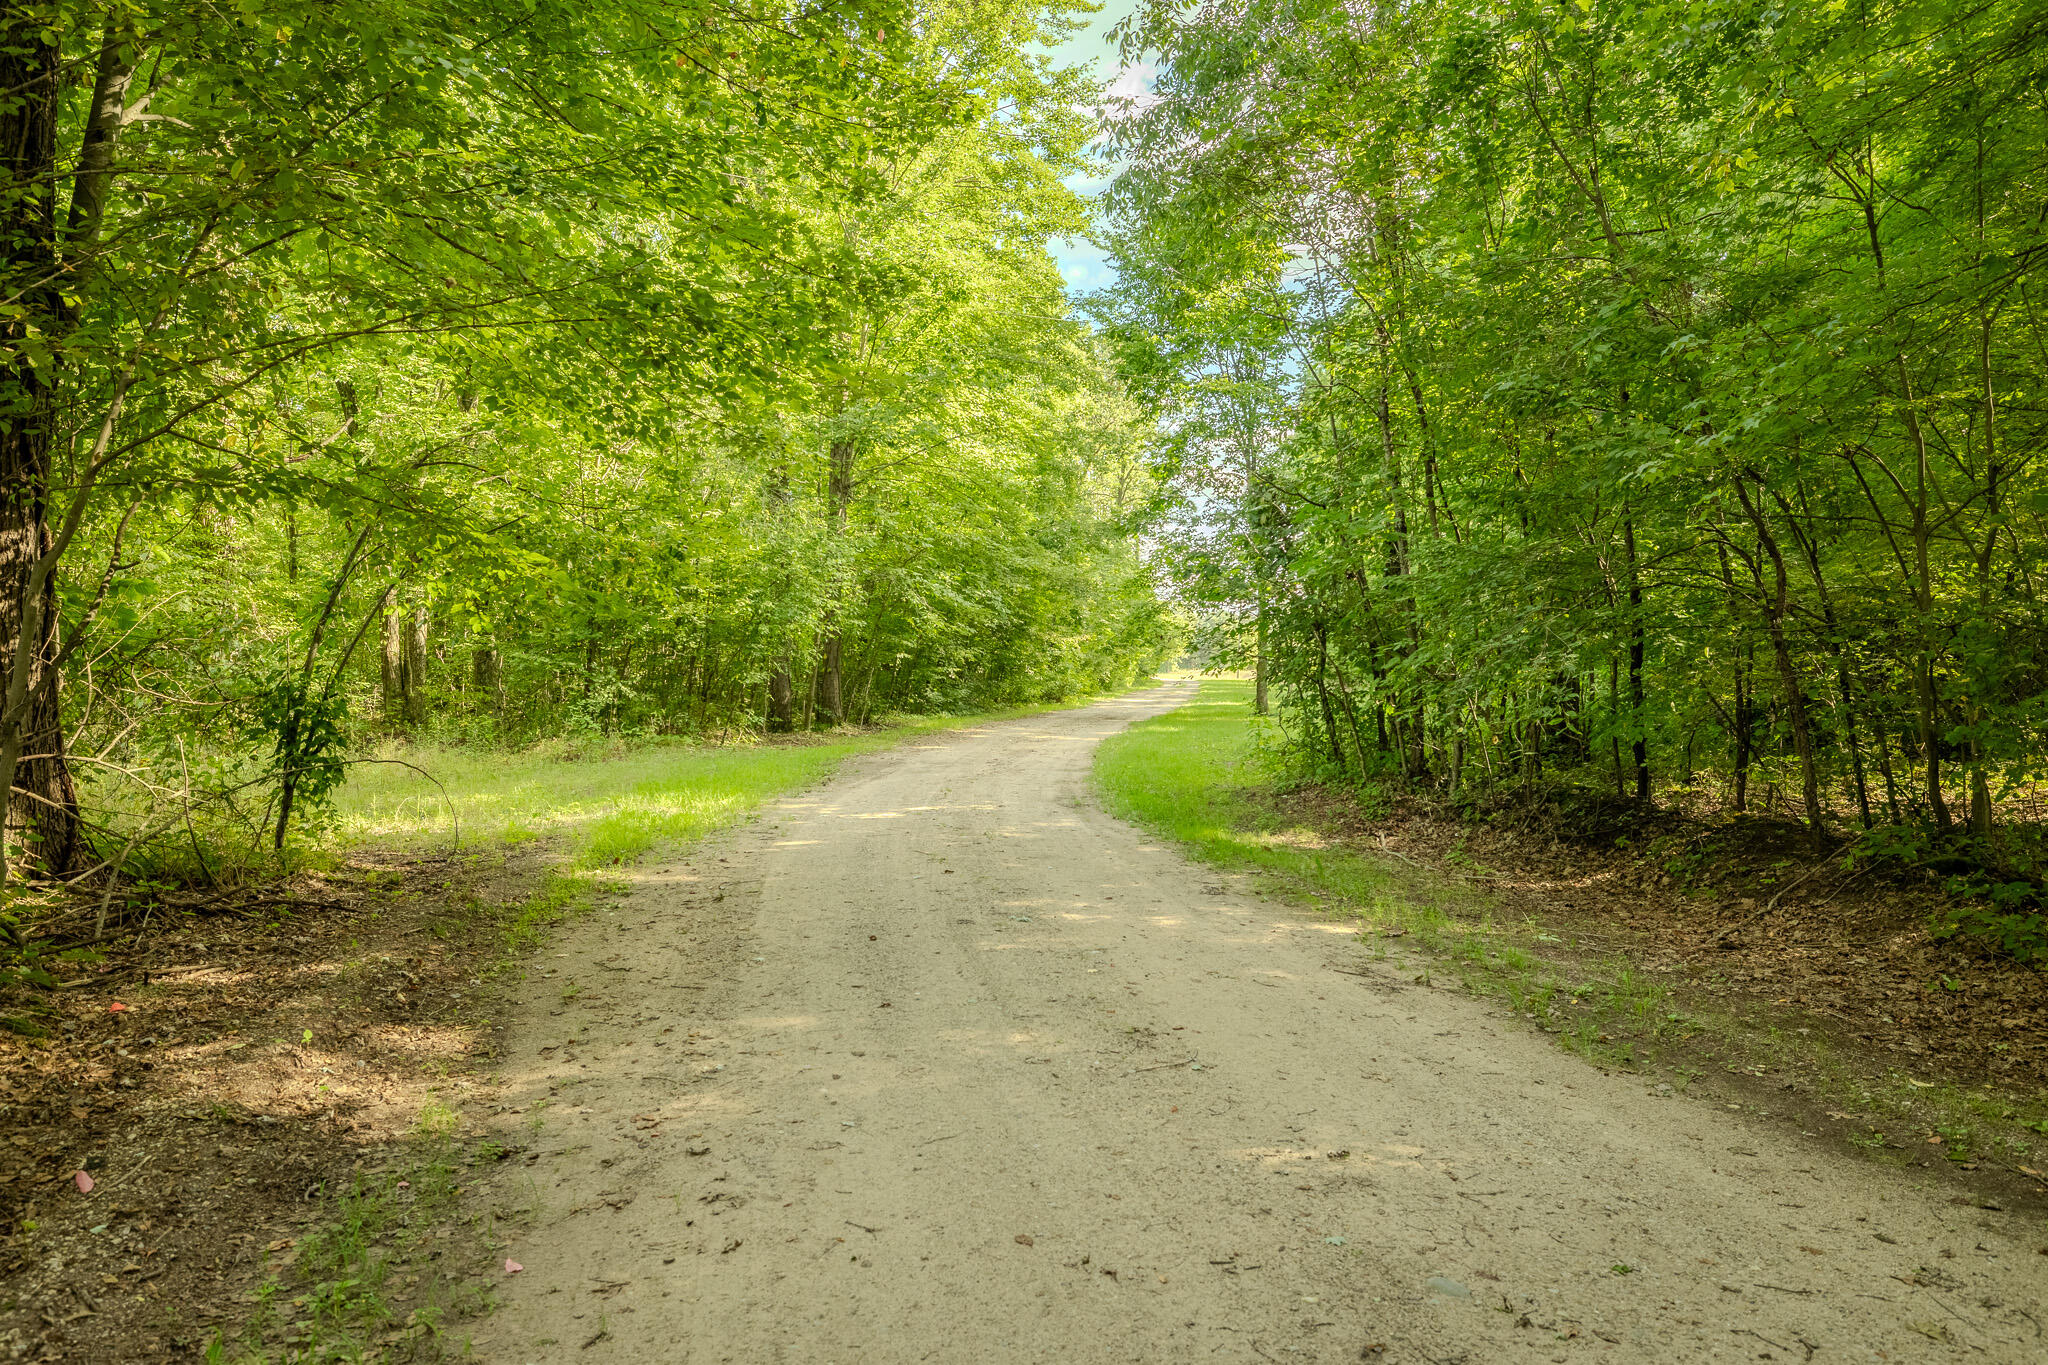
(1644, 398)
(488, 372)
(659, 660)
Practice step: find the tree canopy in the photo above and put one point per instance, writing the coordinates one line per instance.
(508, 369)
(1646, 390)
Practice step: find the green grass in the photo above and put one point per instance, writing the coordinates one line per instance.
(606, 804)
(1185, 774)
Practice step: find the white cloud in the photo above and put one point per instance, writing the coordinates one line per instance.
(1134, 82)
(1131, 92)
(1084, 265)
(1086, 185)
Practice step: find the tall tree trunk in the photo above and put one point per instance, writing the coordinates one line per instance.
(416, 668)
(1927, 700)
(781, 698)
(1414, 756)
(831, 705)
(393, 673)
(487, 674)
(1745, 727)
(42, 803)
(1775, 601)
(1855, 741)
(1350, 711)
(1744, 717)
(1635, 664)
(42, 808)
(1884, 768)
(1809, 544)
(830, 698)
(781, 685)
(1980, 782)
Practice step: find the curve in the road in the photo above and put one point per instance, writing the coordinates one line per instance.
(940, 1063)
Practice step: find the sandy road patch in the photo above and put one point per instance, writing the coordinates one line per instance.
(941, 1063)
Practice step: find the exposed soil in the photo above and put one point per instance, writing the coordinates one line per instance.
(941, 1063)
(215, 1082)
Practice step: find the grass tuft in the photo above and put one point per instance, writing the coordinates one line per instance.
(366, 1284)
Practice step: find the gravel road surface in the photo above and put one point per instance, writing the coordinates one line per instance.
(940, 1063)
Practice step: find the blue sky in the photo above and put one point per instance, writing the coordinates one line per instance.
(1083, 265)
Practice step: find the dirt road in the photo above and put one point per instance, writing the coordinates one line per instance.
(940, 1063)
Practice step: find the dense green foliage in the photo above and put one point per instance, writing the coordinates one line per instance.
(527, 367)
(1650, 392)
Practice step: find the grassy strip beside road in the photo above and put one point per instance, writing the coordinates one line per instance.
(1194, 775)
(604, 803)
(593, 811)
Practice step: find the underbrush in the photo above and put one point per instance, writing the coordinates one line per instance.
(1990, 895)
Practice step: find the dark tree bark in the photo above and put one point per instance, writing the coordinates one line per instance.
(830, 698)
(781, 699)
(1745, 727)
(416, 668)
(487, 673)
(1641, 750)
(1884, 770)
(42, 806)
(831, 704)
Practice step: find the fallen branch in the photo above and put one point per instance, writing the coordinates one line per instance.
(1163, 1066)
(1801, 880)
